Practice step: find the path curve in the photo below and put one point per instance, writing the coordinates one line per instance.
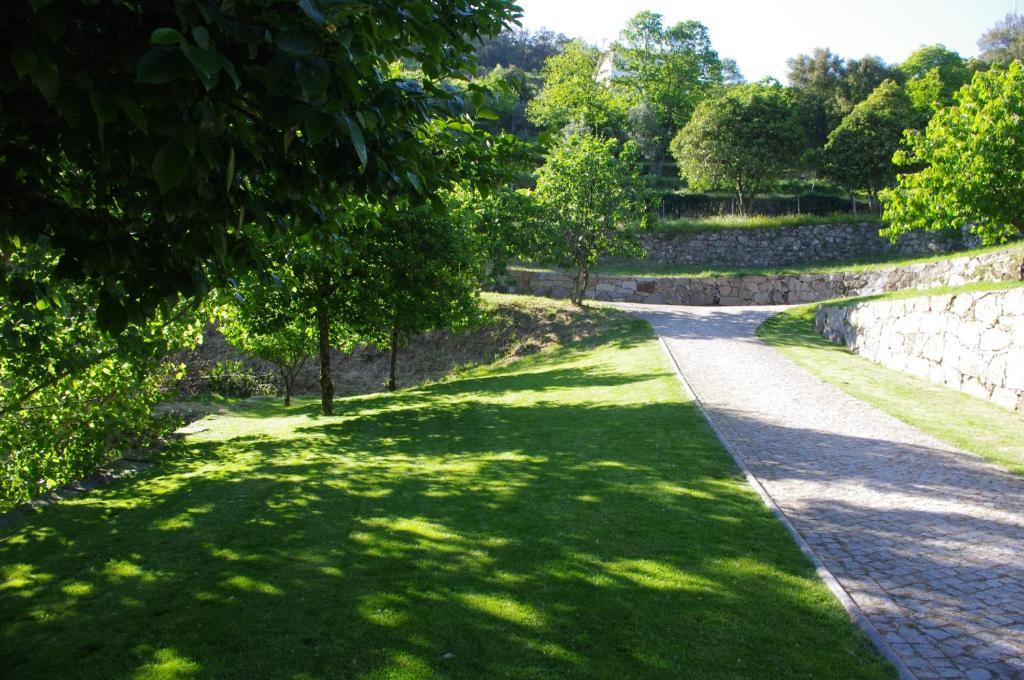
(927, 540)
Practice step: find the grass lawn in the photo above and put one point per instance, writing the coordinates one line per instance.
(971, 424)
(568, 515)
(642, 268)
(693, 224)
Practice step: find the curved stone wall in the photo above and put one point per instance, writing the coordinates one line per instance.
(1003, 265)
(972, 342)
(788, 246)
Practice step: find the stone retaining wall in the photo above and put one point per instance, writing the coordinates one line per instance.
(972, 342)
(788, 246)
(1003, 265)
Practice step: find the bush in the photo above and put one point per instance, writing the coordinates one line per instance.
(66, 431)
(234, 379)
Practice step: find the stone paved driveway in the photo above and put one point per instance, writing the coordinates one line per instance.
(926, 540)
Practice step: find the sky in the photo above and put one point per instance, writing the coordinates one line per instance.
(762, 34)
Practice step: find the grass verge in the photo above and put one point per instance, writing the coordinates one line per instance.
(864, 264)
(686, 224)
(567, 515)
(971, 424)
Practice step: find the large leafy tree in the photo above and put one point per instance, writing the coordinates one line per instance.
(594, 198)
(972, 164)
(741, 140)
(670, 68)
(520, 48)
(933, 74)
(146, 142)
(1004, 42)
(859, 151)
(572, 95)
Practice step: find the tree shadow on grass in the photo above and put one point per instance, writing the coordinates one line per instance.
(440, 532)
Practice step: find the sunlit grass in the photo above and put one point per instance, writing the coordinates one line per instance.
(969, 423)
(569, 515)
(692, 224)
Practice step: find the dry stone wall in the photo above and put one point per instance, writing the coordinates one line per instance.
(972, 342)
(1003, 265)
(788, 246)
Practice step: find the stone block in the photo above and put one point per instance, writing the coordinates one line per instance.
(1006, 398)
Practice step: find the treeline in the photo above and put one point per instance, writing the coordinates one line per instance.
(687, 109)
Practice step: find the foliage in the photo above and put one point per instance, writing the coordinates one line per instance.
(519, 48)
(234, 379)
(511, 90)
(744, 139)
(168, 133)
(669, 68)
(934, 74)
(424, 275)
(1004, 42)
(859, 152)
(71, 396)
(571, 95)
(972, 155)
(827, 87)
(594, 197)
(648, 134)
(267, 320)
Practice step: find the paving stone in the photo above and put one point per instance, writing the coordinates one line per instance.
(926, 539)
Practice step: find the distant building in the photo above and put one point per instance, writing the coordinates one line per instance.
(607, 69)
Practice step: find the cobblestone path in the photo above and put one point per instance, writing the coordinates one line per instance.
(926, 540)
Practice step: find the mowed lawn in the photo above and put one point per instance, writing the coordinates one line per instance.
(567, 516)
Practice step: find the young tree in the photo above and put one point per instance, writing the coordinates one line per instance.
(859, 152)
(1004, 42)
(670, 68)
(595, 198)
(426, 274)
(972, 160)
(266, 319)
(572, 95)
(743, 139)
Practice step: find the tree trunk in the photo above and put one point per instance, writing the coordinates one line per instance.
(392, 382)
(740, 199)
(580, 284)
(853, 202)
(323, 323)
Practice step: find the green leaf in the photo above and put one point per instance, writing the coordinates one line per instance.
(170, 165)
(202, 37)
(105, 106)
(159, 66)
(230, 174)
(135, 113)
(166, 36)
(206, 63)
(298, 43)
(319, 127)
(357, 139)
(312, 10)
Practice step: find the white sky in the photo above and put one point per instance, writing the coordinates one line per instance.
(761, 35)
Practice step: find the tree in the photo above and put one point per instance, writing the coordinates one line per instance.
(669, 68)
(425, 274)
(859, 151)
(594, 198)
(521, 48)
(933, 74)
(1004, 42)
(972, 163)
(571, 95)
(861, 77)
(743, 139)
(267, 320)
(134, 134)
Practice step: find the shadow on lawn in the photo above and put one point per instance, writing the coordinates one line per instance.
(448, 534)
